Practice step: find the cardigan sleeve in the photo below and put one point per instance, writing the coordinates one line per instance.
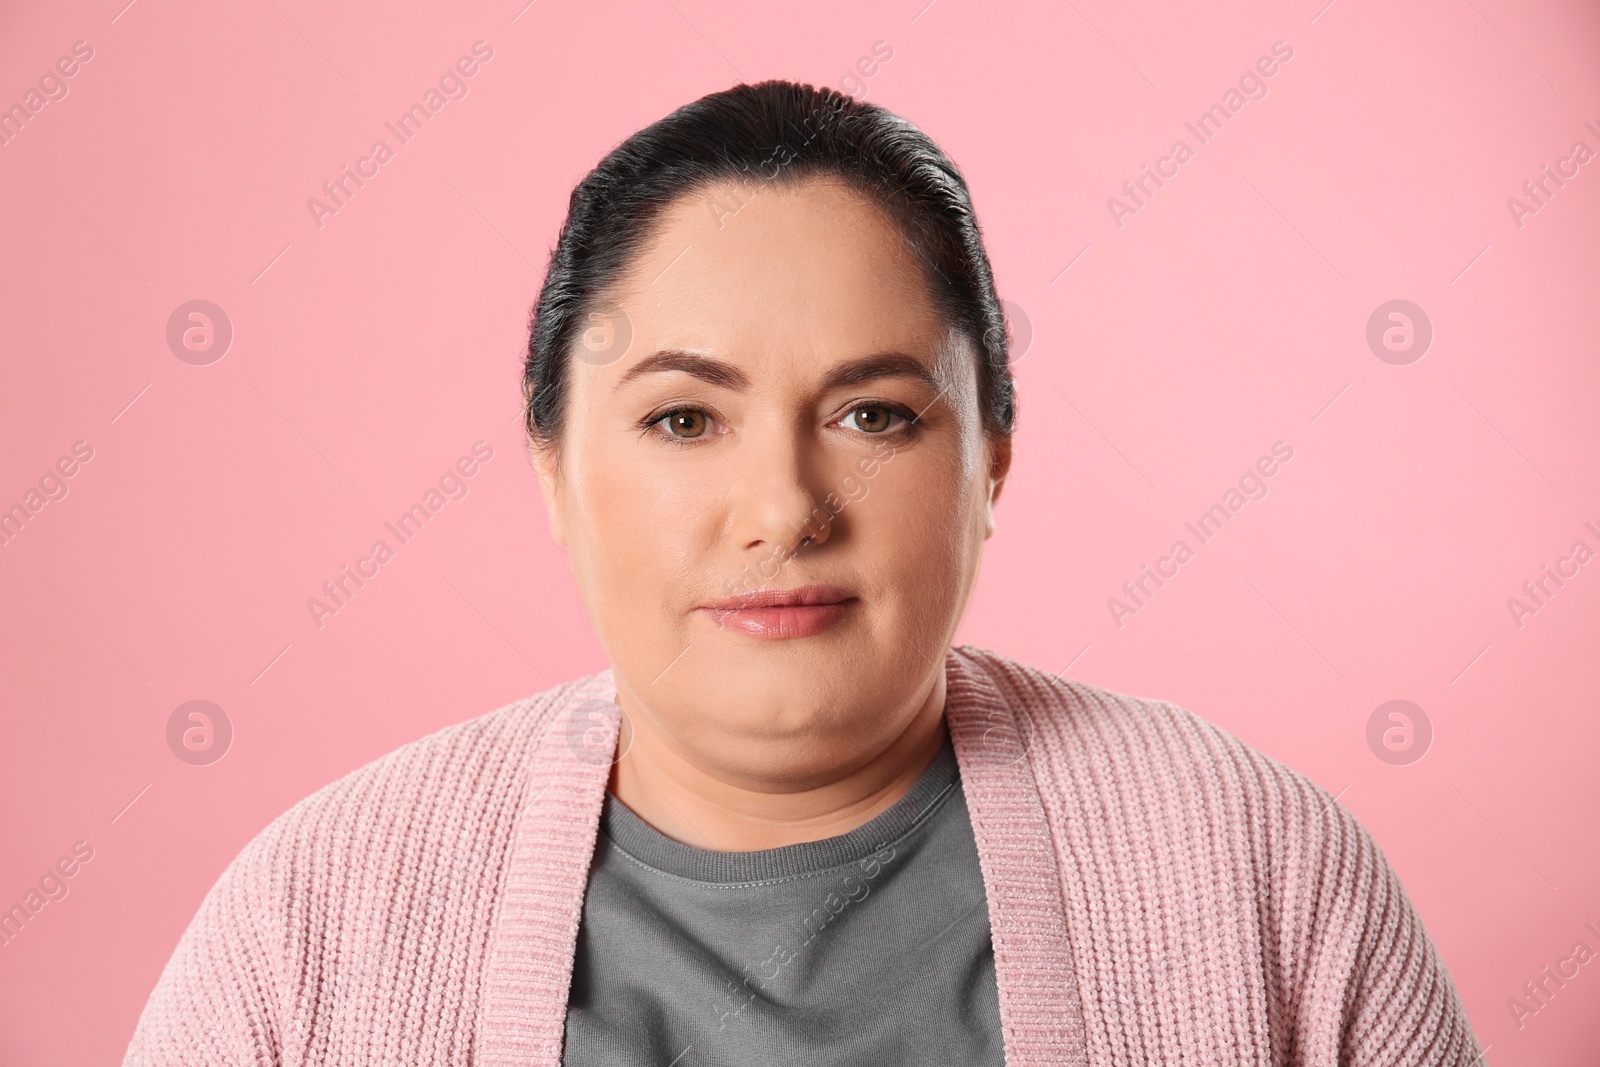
(1374, 989)
(215, 1004)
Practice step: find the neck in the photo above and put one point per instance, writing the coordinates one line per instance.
(707, 805)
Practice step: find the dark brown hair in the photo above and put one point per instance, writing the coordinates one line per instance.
(772, 131)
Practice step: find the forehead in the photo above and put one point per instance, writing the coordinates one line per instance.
(809, 269)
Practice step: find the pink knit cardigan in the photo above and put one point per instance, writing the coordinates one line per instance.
(1159, 893)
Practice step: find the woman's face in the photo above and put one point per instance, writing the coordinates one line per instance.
(789, 413)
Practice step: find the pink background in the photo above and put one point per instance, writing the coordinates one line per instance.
(1228, 313)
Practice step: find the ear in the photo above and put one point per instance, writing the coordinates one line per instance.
(546, 460)
(999, 467)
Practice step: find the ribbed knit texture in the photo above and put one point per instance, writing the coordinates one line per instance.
(1159, 892)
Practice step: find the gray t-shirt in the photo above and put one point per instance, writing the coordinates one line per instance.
(868, 948)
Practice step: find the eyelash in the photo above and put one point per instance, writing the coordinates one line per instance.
(651, 424)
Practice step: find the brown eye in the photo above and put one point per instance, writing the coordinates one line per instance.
(685, 423)
(871, 419)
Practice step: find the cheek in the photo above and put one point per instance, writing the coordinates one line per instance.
(914, 525)
(643, 520)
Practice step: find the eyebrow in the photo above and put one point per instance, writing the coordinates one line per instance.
(725, 375)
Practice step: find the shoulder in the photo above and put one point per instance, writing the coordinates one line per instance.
(421, 830)
(1142, 790)
(396, 862)
(1164, 822)
(1072, 729)
(451, 774)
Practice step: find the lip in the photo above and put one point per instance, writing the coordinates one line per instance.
(783, 613)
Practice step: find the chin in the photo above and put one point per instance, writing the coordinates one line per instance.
(806, 688)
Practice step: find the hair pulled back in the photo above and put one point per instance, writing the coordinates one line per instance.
(774, 131)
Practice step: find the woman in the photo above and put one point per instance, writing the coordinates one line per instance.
(771, 415)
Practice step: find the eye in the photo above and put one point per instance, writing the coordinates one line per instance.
(876, 418)
(684, 424)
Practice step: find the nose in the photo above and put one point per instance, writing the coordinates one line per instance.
(777, 510)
